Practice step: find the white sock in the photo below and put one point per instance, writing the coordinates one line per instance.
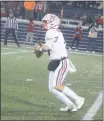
(62, 97)
(67, 91)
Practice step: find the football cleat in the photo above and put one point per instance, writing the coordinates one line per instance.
(67, 108)
(80, 103)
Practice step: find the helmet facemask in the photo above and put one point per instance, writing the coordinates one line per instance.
(45, 25)
(50, 21)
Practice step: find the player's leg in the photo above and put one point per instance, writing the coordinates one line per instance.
(15, 37)
(31, 37)
(93, 44)
(60, 95)
(89, 43)
(77, 100)
(60, 80)
(77, 43)
(6, 36)
(73, 42)
(27, 38)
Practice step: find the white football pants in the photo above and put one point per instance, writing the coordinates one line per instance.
(56, 78)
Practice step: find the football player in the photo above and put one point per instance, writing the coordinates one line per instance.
(59, 64)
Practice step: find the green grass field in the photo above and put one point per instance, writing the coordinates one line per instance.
(23, 99)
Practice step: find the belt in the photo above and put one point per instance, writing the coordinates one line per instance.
(62, 58)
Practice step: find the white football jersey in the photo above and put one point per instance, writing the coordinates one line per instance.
(55, 41)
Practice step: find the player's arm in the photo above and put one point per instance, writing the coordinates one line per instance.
(49, 45)
(50, 39)
(43, 47)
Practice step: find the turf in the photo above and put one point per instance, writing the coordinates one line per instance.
(31, 100)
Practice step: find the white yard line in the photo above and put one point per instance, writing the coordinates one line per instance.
(81, 53)
(11, 53)
(94, 93)
(20, 57)
(94, 108)
(85, 53)
(6, 48)
(22, 45)
(70, 52)
(28, 80)
(8, 53)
